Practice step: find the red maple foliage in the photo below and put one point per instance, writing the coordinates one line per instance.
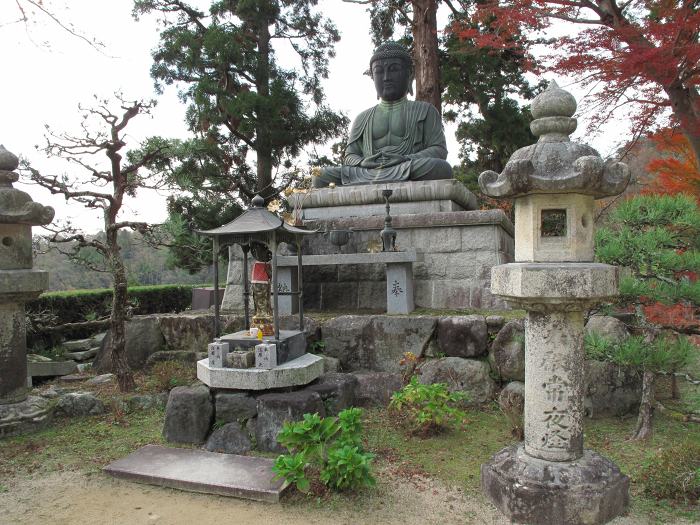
(639, 56)
(676, 170)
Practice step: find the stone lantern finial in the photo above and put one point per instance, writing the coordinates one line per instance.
(552, 110)
(16, 206)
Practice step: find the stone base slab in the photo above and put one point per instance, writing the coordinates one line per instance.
(360, 195)
(201, 471)
(590, 490)
(300, 371)
(22, 285)
(368, 210)
(291, 344)
(572, 286)
(30, 415)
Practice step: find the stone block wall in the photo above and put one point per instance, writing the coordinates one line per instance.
(458, 250)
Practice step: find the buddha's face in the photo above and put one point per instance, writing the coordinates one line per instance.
(391, 77)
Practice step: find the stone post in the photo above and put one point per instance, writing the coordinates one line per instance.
(551, 478)
(19, 283)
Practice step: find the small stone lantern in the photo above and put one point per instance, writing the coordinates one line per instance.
(550, 478)
(19, 283)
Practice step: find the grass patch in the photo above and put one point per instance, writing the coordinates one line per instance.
(456, 457)
(86, 444)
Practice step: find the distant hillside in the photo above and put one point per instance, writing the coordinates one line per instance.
(145, 265)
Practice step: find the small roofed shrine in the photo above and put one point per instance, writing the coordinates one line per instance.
(235, 360)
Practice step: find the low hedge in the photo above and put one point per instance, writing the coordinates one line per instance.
(76, 306)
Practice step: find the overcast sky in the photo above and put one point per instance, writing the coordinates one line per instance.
(44, 85)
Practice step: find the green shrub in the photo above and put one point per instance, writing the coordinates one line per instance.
(331, 446)
(428, 409)
(59, 308)
(674, 474)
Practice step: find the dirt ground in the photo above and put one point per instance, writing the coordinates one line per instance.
(73, 498)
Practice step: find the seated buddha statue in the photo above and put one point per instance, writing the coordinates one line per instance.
(398, 139)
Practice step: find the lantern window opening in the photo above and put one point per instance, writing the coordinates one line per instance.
(553, 223)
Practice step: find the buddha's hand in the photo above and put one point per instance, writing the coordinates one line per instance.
(387, 159)
(371, 162)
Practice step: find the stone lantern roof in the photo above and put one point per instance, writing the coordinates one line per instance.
(16, 206)
(555, 164)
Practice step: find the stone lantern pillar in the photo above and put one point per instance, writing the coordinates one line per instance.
(19, 283)
(551, 478)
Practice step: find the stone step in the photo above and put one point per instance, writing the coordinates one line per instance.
(82, 355)
(201, 471)
(50, 368)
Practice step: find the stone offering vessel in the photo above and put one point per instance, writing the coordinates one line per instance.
(19, 283)
(551, 478)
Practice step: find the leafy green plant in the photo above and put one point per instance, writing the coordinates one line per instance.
(317, 347)
(674, 473)
(330, 446)
(428, 409)
(348, 468)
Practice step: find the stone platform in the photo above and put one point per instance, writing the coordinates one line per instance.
(298, 372)
(201, 471)
(587, 491)
(366, 199)
(458, 250)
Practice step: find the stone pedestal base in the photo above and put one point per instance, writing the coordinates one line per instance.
(30, 415)
(590, 490)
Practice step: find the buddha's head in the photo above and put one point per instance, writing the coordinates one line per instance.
(391, 68)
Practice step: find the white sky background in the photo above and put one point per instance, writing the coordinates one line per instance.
(44, 85)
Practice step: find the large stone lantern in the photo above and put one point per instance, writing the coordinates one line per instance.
(19, 283)
(551, 478)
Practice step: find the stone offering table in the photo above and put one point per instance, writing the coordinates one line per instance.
(399, 276)
(19, 283)
(550, 478)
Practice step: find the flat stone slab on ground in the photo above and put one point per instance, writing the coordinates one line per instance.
(201, 471)
(51, 368)
(82, 355)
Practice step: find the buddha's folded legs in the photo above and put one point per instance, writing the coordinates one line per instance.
(326, 176)
(415, 169)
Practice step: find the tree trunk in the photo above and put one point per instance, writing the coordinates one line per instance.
(646, 407)
(120, 366)
(685, 104)
(263, 142)
(425, 52)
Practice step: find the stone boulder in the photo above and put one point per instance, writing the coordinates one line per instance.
(336, 390)
(378, 342)
(187, 332)
(611, 390)
(507, 354)
(461, 375)
(608, 327)
(348, 338)
(188, 414)
(234, 406)
(312, 328)
(80, 404)
(464, 336)
(512, 401)
(143, 338)
(376, 388)
(231, 438)
(274, 410)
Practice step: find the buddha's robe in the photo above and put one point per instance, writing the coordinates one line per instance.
(409, 128)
